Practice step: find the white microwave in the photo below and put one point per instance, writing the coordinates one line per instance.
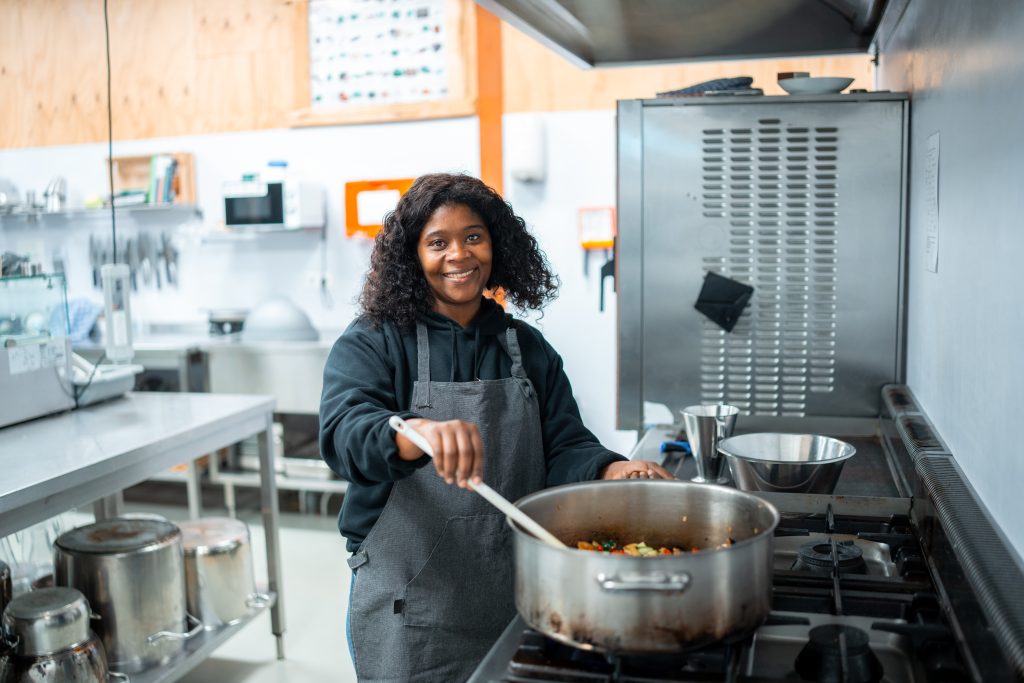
(291, 205)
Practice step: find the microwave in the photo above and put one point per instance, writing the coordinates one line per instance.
(286, 204)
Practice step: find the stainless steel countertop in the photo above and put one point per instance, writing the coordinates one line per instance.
(71, 459)
(865, 474)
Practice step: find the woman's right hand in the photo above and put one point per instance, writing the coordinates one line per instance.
(458, 449)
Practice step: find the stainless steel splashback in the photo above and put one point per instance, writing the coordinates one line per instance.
(801, 198)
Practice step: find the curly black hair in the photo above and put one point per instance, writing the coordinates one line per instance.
(396, 290)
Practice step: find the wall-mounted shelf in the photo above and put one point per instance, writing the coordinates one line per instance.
(250, 234)
(184, 210)
(170, 177)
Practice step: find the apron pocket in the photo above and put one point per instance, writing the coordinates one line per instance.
(466, 583)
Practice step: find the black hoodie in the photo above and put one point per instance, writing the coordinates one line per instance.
(369, 377)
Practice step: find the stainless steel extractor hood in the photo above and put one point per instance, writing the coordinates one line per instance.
(617, 32)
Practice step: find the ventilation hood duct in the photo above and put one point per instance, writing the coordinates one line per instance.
(619, 32)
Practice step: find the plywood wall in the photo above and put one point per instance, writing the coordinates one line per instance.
(538, 79)
(179, 67)
(206, 66)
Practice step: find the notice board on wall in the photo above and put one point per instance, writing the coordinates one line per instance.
(389, 59)
(375, 52)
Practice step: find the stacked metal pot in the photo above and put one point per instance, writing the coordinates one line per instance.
(46, 639)
(132, 572)
(127, 592)
(219, 578)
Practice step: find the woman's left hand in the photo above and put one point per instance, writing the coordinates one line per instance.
(635, 469)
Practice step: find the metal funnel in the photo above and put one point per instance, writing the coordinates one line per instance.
(706, 425)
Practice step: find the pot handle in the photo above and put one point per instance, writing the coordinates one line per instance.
(117, 675)
(8, 646)
(178, 636)
(659, 582)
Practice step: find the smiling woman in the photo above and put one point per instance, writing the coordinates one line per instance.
(455, 252)
(433, 582)
(397, 288)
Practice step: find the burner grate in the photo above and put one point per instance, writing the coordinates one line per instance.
(541, 659)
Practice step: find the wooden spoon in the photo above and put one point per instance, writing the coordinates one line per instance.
(489, 494)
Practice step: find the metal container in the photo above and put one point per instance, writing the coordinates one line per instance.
(132, 573)
(47, 620)
(219, 579)
(47, 639)
(664, 604)
(706, 425)
(787, 463)
(83, 663)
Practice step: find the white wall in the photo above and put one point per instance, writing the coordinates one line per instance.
(581, 170)
(240, 273)
(964, 66)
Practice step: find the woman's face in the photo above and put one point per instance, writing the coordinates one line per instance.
(455, 251)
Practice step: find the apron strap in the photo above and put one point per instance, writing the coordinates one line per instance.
(357, 560)
(511, 344)
(422, 400)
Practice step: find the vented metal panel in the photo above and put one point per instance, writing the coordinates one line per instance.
(801, 198)
(993, 571)
(775, 187)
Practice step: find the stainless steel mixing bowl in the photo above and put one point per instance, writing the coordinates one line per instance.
(789, 463)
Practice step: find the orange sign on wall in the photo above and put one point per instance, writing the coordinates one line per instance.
(367, 201)
(597, 227)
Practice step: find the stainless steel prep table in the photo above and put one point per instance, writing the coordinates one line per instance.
(90, 455)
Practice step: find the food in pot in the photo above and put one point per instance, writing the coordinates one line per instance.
(641, 549)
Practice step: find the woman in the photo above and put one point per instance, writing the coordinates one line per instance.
(432, 584)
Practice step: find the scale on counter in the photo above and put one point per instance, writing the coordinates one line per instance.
(36, 362)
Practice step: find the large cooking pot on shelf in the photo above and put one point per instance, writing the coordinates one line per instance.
(637, 605)
(219, 580)
(132, 573)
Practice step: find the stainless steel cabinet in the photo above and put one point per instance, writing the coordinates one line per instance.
(801, 198)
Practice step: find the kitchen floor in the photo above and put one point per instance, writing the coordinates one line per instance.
(316, 581)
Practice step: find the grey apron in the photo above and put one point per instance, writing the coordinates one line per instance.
(434, 586)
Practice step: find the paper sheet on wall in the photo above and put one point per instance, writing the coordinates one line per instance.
(931, 207)
(364, 52)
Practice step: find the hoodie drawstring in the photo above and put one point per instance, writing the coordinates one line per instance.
(476, 355)
(451, 328)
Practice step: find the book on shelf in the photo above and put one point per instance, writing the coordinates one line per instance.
(162, 168)
(130, 198)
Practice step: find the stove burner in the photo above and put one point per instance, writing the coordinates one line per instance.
(822, 658)
(541, 659)
(816, 556)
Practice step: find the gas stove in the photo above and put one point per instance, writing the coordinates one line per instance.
(866, 588)
(851, 597)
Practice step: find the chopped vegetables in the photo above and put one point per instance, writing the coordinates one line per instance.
(641, 549)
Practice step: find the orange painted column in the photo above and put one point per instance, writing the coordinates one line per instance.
(489, 96)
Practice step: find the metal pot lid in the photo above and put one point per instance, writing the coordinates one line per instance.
(213, 534)
(796, 449)
(118, 535)
(47, 620)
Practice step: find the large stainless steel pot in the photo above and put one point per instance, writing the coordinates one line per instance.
(132, 573)
(625, 604)
(47, 640)
(219, 579)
